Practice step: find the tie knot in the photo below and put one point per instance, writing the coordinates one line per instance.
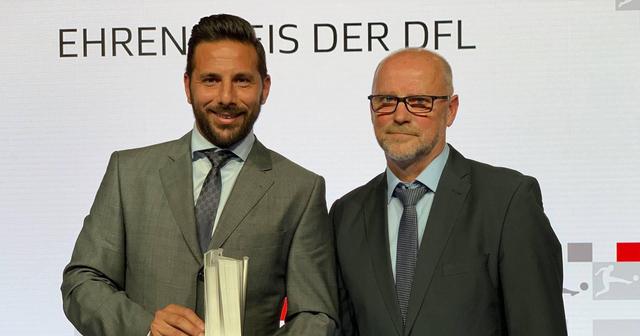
(410, 196)
(218, 158)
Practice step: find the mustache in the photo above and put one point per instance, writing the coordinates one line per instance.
(230, 110)
(402, 129)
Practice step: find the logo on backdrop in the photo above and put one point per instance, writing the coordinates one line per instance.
(627, 5)
(290, 38)
(612, 280)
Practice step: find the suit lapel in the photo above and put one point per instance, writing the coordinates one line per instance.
(251, 185)
(376, 233)
(177, 182)
(447, 204)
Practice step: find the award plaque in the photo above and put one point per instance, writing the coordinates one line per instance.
(225, 290)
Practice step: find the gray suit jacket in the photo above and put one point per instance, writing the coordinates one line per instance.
(138, 249)
(488, 264)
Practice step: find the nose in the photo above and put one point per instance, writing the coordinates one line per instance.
(401, 115)
(227, 93)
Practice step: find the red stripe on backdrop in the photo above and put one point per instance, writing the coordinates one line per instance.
(283, 313)
(628, 252)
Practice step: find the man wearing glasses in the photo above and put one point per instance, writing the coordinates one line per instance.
(439, 244)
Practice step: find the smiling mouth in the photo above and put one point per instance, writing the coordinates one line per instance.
(227, 115)
(226, 119)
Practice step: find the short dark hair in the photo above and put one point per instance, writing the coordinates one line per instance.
(225, 27)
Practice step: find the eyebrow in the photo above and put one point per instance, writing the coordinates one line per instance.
(209, 75)
(247, 75)
(244, 75)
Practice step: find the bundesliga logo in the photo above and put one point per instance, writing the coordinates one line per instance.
(619, 280)
(608, 281)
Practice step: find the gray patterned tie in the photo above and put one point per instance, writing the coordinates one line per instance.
(209, 199)
(407, 243)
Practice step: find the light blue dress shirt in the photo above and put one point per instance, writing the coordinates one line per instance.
(229, 172)
(430, 177)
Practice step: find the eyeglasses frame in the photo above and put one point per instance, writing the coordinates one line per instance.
(404, 100)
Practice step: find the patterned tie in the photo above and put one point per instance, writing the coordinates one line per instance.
(407, 243)
(209, 199)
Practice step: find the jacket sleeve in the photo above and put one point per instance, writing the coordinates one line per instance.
(93, 282)
(347, 325)
(530, 261)
(311, 278)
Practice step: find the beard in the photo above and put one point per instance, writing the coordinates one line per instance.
(403, 151)
(225, 136)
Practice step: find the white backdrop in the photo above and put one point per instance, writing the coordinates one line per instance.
(551, 88)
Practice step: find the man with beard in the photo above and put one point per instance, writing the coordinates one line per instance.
(439, 244)
(137, 264)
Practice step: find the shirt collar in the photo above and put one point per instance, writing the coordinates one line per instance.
(430, 176)
(241, 149)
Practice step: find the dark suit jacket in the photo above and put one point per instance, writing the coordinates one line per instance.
(488, 264)
(138, 249)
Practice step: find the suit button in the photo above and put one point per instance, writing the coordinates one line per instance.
(201, 275)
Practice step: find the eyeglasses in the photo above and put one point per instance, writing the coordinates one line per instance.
(419, 105)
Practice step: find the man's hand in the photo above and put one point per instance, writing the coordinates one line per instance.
(176, 320)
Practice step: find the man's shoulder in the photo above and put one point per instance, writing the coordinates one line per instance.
(152, 156)
(496, 178)
(162, 148)
(490, 171)
(287, 168)
(363, 192)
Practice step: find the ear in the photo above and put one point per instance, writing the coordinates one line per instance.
(187, 87)
(453, 109)
(266, 86)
